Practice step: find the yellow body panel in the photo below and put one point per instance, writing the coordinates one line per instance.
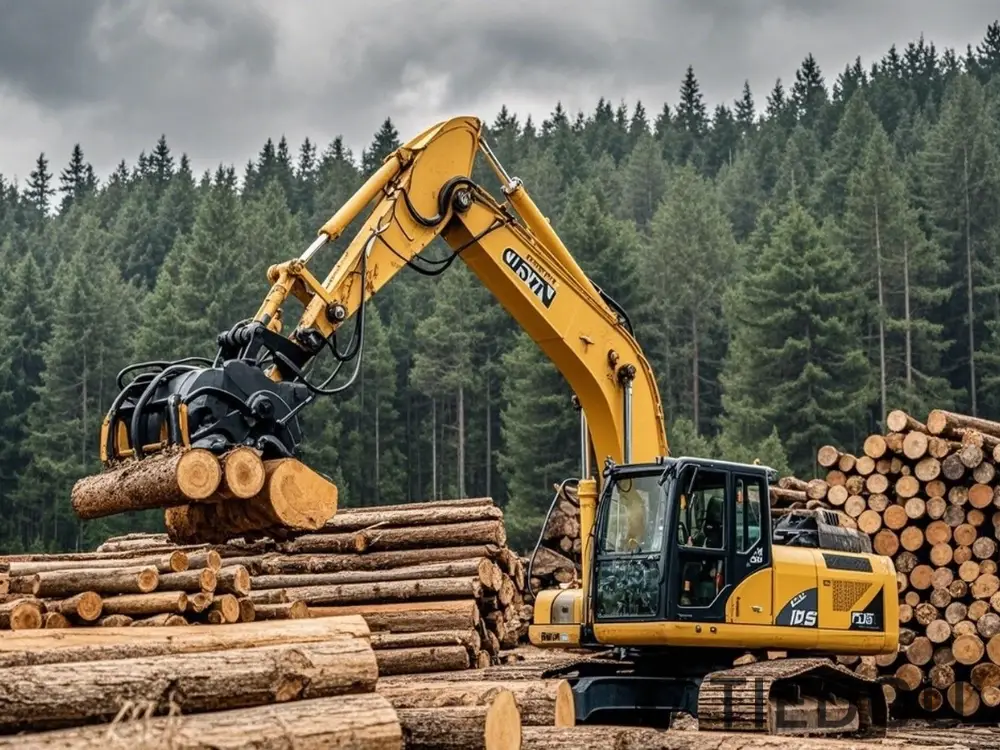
(757, 608)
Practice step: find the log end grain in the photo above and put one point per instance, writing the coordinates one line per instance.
(243, 474)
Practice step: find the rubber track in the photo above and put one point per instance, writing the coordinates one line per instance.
(749, 695)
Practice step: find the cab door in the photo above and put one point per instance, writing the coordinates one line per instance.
(702, 561)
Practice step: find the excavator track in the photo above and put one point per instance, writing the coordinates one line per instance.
(792, 697)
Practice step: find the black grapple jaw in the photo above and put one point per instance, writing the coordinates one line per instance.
(216, 405)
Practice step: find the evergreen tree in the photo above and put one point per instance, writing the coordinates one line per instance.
(644, 179)
(899, 280)
(385, 142)
(853, 135)
(685, 272)
(541, 439)
(809, 96)
(795, 361)
(39, 189)
(691, 120)
(76, 180)
(161, 164)
(746, 112)
(961, 183)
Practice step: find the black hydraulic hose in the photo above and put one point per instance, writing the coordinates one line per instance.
(545, 523)
(157, 363)
(144, 399)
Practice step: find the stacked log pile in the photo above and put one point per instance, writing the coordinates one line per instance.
(928, 495)
(435, 582)
(309, 683)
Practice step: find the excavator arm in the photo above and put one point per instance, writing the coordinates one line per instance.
(425, 191)
(260, 381)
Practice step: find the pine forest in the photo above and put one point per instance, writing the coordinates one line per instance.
(796, 263)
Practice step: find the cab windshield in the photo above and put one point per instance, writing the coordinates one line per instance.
(636, 513)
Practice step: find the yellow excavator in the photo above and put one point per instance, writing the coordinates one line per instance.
(684, 565)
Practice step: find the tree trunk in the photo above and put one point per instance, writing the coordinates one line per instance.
(20, 614)
(484, 569)
(907, 332)
(361, 518)
(63, 583)
(48, 696)
(172, 562)
(389, 591)
(496, 726)
(161, 480)
(461, 441)
(695, 374)
(335, 563)
(434, 462)
(883, 400)
(442, 535)
(969, 286)
(410, 617)
(537, 700)
(116, 643)
(397, 661)
(243, 473)
(367, 719)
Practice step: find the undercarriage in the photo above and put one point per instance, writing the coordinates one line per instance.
(794, 696)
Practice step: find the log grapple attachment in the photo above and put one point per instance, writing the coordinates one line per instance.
(214, 442)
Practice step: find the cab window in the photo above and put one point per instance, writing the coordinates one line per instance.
(636, 515)
(748, 498)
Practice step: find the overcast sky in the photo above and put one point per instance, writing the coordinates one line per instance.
(219, 76)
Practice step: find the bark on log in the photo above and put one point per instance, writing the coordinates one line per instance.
(294, 497)
(941, 422)
(536, 699)
(160, 480)
(190, 581)
(496, 726)
(410, 617)
(364, 721)
(64, 583)
(141, 605)
(172, 562)
(286, 611)
(113, 643)
(399, 661)
(899, 421)
(443, 535)
(84, 607)
(390, 591)
(356, 519)
(486, 570)
(49, 697)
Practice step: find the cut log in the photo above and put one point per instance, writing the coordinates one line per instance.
(233, 579)
(400, 661)
(390, 591)
(356, 519)
(915, 445)
(172, 562)
(875, 446)
(540, 702)
(442, 535)
(288, 611)
(158, 621)
(963, 698)
(899, 421)
(364, 721)
(410, 617)
(484, 569)
(46, 696)
(113, 643)
(84, 607)
(141, 605)
(941, 422)
(493, 726)
(64, 583)
(243, 473)
(160, 480)
(294, 497)
(827, 456)
(20, 614)
(190, 581)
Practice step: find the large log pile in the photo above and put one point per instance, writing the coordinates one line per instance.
(435, 582)
(928, 496)
(556, 562)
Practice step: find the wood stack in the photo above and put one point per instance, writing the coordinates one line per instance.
(309, 683)
(557, 560)
(435, 582)
(928, 495)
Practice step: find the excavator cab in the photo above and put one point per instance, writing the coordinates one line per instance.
(686, 577)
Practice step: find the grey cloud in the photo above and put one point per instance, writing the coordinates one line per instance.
(220, 76)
